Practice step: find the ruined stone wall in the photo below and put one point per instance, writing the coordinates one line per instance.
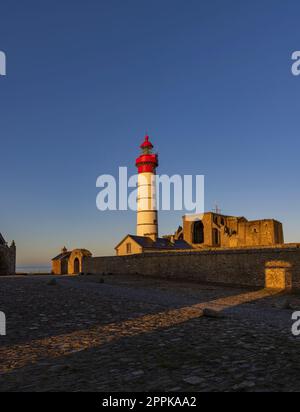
(263, 232)
(7, 260)
(230, 231)
(259, 267)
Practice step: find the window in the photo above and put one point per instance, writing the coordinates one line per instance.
(128, 248)
(216, 237)
(198, 232)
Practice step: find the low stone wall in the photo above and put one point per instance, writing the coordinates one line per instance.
(274, 267)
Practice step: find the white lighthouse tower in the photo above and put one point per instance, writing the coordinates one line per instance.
(147, 163)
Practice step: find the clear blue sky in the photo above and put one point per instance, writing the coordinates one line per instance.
(209, 79)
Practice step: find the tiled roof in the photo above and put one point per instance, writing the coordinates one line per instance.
(160, 243)
(142, 240)
(61, 256)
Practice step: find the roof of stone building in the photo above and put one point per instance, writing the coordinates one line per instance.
(62, 255)
(160, 243)
(84, 252)
(2, 240)
(67, 254)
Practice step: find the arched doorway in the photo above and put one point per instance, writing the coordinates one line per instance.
(76, 261)
(76, 265)
(198, 232)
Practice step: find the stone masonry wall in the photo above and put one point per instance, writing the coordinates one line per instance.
(7, 260)
(275, 267)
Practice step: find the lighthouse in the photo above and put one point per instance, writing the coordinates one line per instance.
(146, 164)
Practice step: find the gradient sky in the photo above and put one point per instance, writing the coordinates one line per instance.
(210, 80)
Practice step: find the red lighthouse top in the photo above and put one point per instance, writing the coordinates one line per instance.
(147, 161)
(146, 143)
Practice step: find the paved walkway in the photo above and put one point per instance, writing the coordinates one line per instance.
(132, 333)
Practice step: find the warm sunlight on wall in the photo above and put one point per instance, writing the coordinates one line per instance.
(278, 275)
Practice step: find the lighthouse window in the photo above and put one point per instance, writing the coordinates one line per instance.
(128, 248)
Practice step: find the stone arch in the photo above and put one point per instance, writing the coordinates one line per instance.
(179, 233)
(198, 232)
(75, 264)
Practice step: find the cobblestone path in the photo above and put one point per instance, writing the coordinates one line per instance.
(133, 334)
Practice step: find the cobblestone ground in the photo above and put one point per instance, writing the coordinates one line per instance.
(137, 334)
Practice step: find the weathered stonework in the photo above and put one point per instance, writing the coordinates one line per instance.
(7, 258)
(216, 230)
(69, 262)
(210, 230)
(274, 267)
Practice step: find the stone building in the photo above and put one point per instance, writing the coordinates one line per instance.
(69, 262)
(210, 230)
(217, 230)
(7, 257)
(213, 230)
(132, 245)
